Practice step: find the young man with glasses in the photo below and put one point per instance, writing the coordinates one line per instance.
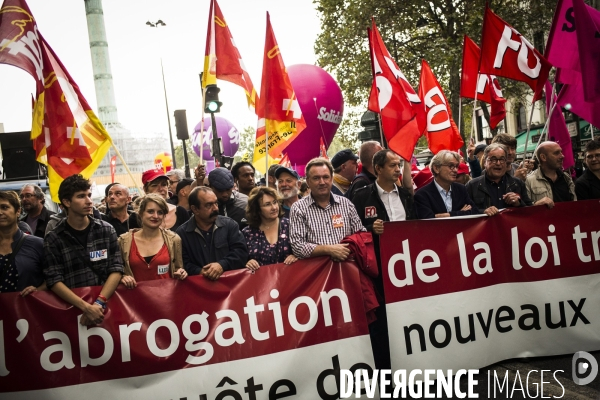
(211, 243)
(37, 217)
(588, 185)
(495, 189)
(443, 196)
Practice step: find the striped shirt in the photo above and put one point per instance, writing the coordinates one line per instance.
(312, 225)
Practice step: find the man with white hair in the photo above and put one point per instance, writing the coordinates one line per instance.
(37, 217)
(443, 196)
(549, 184)
(174, 175)
(288, 186)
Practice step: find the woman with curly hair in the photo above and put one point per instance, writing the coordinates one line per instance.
(151, 252)
(267, 234)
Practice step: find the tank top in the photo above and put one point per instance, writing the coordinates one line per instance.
(157, 268)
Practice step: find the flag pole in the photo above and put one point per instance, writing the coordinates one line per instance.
(528, 130)
(553, 103)
(126, 167)
(266, 155)
(460, 112)
(202, 120)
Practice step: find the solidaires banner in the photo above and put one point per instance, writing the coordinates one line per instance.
(282, 331)
(469, 292)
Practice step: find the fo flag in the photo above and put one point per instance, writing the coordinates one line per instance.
(390, 99)
(442, 132)
(485, 88)
(67, 136)
(222, 60)
(280, 118)
(505, 52)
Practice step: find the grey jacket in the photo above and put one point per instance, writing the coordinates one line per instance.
(538, 187)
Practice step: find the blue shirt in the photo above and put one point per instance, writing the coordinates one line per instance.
(446, 196)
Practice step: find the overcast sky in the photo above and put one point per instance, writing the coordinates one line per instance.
(136, 49)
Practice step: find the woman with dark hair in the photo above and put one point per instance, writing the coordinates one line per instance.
(267, 234)
(151, 252)
(155, 181)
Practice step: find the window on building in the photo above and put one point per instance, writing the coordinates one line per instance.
(521, 118)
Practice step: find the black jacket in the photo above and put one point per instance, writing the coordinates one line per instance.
(587, 186)
(40, 229)
(361, 180)
(235, 208)
(367, 197)
(478, 191)
(428, 201)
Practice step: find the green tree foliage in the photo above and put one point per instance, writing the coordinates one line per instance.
(414, 30)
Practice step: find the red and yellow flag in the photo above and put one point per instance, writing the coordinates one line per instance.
(280, 118)
(67, 136)
(222, 60)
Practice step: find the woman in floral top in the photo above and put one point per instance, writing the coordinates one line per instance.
(267, 234)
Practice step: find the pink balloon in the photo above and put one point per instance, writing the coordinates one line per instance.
(322, 105)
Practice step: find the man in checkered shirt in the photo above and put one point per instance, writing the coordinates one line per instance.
(319, 221)
(82, 251)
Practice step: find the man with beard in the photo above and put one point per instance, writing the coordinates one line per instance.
(231, 203)
(288, 185)
(211, 243)
(37, 217)
(117, 200)
(549, 184)
(496, 189)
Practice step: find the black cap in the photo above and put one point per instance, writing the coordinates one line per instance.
(183, 183)
(342, 156)
(479, 148)
(220, 179)
(290, 171)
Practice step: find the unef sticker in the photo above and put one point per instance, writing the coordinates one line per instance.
(163, 269)
(337, 220)
(370, 212)
(98, 255)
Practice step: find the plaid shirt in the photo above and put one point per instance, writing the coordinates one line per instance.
(68, 262)
(311, 225)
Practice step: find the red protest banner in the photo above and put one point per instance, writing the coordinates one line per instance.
(284, 328)
(484, 289)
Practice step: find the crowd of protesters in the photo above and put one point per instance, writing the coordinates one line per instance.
(223, 221)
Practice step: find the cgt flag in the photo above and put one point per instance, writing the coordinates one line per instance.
(487, 87)
(505, 52)
(389, 98)
(323, 149)
(67, 135)
(280, 118)
(222, 60)
(442, 132)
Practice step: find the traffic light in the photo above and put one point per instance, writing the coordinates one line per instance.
(211, 101)
(181, 125)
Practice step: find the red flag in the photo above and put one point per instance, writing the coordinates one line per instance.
(113, 168)
(442, 132)
(285, 161)
(222, 58)
(588, 40)
(505, 52)
(486, 86)
(323, 149)
(66, 134)
(390, 100)
(278, 110)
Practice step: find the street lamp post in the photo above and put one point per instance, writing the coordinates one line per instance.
(157, 24)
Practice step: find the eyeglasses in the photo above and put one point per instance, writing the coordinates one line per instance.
(592, 156)
(26, 196)
(495, 160)
(451, 166)
(172, 182)
(209, 206)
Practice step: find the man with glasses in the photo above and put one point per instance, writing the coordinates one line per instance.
(174, 175)
(37, 217)
(513, 169)
(211, 243)
(549, 184)
(443, 196)
(588, 185)
(495, 189)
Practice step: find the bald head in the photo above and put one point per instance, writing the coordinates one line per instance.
(367, 151)
(550, 155)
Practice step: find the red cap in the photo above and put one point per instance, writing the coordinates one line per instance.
(152, 174)
(423, 177)
(463, 169)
